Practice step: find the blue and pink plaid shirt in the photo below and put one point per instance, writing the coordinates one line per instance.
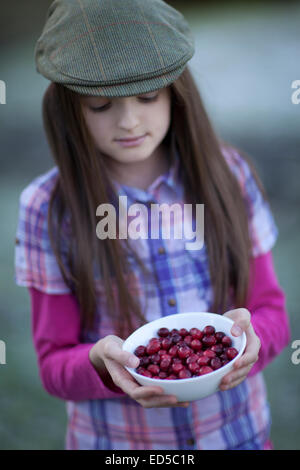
(234, 419)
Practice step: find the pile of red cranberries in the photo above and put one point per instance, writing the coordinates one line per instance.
(182, 354)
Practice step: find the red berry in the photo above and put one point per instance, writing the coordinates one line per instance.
(196, 344)
(146, 373)
(208, 341)
(219, 335)
(231, 353)
(166, 343)
(196, 333)
(162, 374)
(173, 351)
(216, 363)
(184, 352)
(205, 370)
(209, 353)
(226, 341)
(192, 358)
(177, 367)
(184, 374)
(172, 377)
(165, 364)
(217, 348)
(153, 347)
(188, 339)
(175, 337)
(140, 351)
(193, 367)
(163, 332)
(153, 369)
(203, 361)
(155, 358)
(144, 360)
(183, 332)
(209, 330)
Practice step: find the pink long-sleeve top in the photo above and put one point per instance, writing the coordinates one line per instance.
(67, 372)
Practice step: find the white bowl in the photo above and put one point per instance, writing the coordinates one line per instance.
(193, 388)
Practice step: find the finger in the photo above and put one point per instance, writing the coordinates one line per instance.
(241, 318)
(163, 401)
(113, 350)
(233, 376)
(250, 355)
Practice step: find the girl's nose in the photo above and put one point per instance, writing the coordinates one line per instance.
(128, 117)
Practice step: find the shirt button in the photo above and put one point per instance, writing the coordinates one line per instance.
(172, 302)
(161, 250)
(190, 442)
(17, 241)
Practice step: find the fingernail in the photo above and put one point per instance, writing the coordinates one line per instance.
(236, 330)
(133, 362)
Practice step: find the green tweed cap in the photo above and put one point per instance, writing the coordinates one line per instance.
(113, 47)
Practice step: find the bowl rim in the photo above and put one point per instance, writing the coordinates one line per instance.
(131, 370)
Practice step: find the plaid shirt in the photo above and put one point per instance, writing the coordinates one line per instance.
(234, 419)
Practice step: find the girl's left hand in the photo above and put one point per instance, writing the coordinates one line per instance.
(242, 366)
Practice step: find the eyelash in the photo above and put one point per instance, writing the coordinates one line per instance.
(103, 108)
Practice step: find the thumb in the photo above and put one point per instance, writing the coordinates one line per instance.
(241, 318)
(113, 350)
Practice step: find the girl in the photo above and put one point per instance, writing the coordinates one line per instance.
(134, 124)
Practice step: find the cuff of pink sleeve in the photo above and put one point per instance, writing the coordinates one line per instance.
(89, 382)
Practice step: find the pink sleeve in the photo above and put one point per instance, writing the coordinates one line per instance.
(266, 303)
(64, 364)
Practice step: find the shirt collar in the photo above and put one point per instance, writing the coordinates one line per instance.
(170, 178)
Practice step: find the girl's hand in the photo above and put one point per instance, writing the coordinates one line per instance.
(107, 356)
(242, 366)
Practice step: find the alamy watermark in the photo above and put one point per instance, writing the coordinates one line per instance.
(140, 228)
(295, 358)
(2, 352)
(2, 92)
(295, 98)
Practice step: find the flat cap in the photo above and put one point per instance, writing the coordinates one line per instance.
(113, 47)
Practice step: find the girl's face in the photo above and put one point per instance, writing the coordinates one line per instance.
(146, 116)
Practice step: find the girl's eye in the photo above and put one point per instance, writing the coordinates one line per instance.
(144, 99)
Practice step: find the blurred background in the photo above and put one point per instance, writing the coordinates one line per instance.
(247, 56)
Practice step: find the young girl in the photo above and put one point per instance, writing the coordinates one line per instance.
(124, 117)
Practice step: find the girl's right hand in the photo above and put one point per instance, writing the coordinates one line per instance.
(107, 355)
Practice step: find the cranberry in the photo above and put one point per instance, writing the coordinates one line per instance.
(208, 341)
(216, 363)
(153, 347)
(231, 353)
(162, 375)
(196, 333)
(192, 358)
(226, 341)
(184, 374)
(184, 352)
(203, 361)
(183, 332)
(166, 343)
(140, 351)
(153, 369)
(205, 370)
(193, 367)
(165, 364)
(188, 339)
(144, 360)
(209, 353)
(175, 338)
(196, 344)
(217, 348)
(219, 335)
(146, 373)
(209, 330)
(155, 358)
(177, 367)
(163, 332)
(173, 351)
(171, 377)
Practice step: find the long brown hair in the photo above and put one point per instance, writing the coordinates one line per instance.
(83, 184)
